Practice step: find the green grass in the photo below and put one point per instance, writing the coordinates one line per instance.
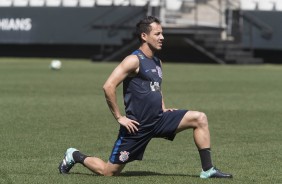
(43, 112)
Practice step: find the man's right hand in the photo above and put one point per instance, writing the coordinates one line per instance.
(129, 124)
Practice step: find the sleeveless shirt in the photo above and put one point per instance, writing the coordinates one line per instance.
(142, 93)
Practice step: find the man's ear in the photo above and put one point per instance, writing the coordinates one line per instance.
(144, 36)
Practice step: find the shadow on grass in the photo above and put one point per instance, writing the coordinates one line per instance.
(141, 173)
(149, 173)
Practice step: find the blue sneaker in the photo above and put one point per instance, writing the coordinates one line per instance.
(68, 162)
(214, 173)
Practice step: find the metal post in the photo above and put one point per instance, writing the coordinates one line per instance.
(196, 13)
(229, 19)
(221, 16)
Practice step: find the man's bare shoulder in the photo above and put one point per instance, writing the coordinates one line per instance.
(130, 63)
(131, 59)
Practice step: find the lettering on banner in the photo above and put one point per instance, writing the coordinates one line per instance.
(15, 24)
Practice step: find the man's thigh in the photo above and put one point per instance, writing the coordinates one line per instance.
(167, 125)
(189, 120)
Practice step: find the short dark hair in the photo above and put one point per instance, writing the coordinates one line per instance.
(143, 26)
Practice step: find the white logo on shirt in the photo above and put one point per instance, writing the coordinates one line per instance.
(155, 86)
(160, 73)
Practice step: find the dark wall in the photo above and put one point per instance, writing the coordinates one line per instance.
(260, 39)
(61, 25)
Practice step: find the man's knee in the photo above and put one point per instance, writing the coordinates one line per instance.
(111, 173)
(112, 169)
(193, 119)
(202, 119)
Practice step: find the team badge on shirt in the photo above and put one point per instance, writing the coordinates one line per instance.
(124, 155)
(141, 55)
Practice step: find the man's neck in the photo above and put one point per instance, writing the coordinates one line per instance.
(147, 51)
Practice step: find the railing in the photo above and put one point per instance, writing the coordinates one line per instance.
(115, 28)
(220, 15)
(195, 13)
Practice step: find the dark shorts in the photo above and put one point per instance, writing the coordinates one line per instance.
(130, 147)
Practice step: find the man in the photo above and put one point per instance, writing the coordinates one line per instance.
(146, 115)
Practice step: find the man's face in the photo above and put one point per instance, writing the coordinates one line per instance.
(155, 37)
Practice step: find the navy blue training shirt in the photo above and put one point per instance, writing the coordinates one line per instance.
(142, 93)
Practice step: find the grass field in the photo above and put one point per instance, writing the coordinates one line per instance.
(43, 112)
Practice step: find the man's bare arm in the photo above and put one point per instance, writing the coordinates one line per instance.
(129, 66)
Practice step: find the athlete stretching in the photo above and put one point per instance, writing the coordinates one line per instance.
(146, 116)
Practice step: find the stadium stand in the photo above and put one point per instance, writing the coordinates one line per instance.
(278, 5)
(174, 5)
(139, 2)
(226, 31)
(6, 3)
(53, 3)
(21, 3)
(36, 3)
(87, 3)
(155, 3)
(70, 3)
(170, 5)
(261, 5)
(266, 5)
(121, 3)
(248, 4)
(104, 2)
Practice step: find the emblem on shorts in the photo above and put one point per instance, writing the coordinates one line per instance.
(124, 155)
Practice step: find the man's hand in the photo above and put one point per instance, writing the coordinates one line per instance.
(129, 124)
(170, 109)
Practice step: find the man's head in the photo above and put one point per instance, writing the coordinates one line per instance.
(149, 30)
